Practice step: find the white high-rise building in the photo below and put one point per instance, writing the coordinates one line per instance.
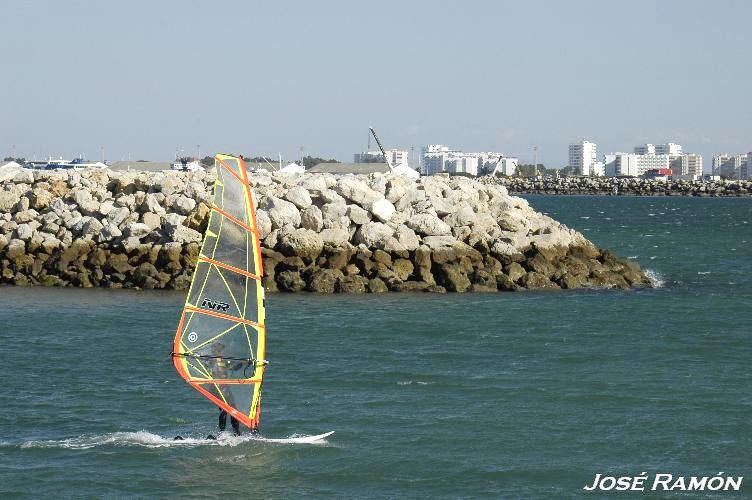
(433, 157)
(582, 157)
(466, 164)
(436, 158)
(668, 149)
(632, 165)
(396, 156)
(691, 166)
(599, 169)
(506, 166)
(731, 166)
(658, 149)
(609, 164)
(652, 157)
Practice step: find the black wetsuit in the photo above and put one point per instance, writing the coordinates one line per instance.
(220, 369)
(233, 421)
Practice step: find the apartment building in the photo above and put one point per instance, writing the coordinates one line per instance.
(632, 164)
(648, 157)
(731, 166)
(436, 158)
(582, 157)
(396, 156)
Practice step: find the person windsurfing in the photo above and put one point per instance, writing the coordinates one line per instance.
(225, 304)
(220, 368)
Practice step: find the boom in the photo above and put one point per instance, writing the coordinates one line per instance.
(388, 163)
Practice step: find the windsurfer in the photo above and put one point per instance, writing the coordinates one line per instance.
(219, 309)
(220, 368)
(233, 421)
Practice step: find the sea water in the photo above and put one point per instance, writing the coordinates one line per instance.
(520, 395)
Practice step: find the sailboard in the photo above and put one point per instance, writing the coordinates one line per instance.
(220, 341)
(318, 438)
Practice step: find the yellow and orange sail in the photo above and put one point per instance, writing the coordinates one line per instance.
(221, 338)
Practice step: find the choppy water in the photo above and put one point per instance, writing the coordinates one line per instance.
(507, 395)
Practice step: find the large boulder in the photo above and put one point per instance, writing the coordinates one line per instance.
(24, 232)
(41, 199)
(324, 280)
(183, 234)
(428, 225)
(373, 234)
(335, 237)
(183, 205)
(137, 230)
(452, 277)
(312, 218)
(152, 203)
(290, 281)
(263, 224)
(358, 215)
(298, 196)
(442, 206)
(303, 243)
(281, 212)
(407, 237)
(356, 191)
(352, 284)
(382, 209)
(15, 248)
(436, 242)
(118, 215)
(91, 228)
(109, 232)
(8, 200)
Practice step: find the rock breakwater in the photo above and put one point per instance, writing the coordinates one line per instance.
(319, 232)
(621, 186)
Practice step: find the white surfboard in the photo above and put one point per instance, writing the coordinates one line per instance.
(296, 440)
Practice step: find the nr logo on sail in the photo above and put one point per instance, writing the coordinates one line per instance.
(215, 305)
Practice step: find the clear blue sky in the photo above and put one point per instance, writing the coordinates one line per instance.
(144, 77)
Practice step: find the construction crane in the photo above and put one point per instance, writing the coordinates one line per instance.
(388, 163)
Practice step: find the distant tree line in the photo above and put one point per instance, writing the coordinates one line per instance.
(20, 161)
(530, 170)
(310, 161)
(457, 174)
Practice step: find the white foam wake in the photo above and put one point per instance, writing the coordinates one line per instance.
(656, 278)
(411, 382)
(147, 439)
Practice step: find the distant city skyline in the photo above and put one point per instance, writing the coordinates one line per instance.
(143, 79)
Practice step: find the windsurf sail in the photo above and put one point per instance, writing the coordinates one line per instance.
(221, 338)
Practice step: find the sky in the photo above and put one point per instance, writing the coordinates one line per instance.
(147, 79)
